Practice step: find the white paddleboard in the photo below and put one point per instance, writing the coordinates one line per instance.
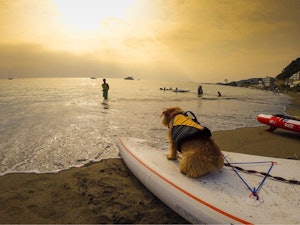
(221, 197)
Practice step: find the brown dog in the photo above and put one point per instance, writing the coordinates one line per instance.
(200, 154)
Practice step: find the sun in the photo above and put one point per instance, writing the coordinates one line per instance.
(84, 15)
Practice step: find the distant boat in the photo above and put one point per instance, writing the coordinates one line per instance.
(128, 78)
(10, 78)
(166, 89)
(93, 78)
(179, 90)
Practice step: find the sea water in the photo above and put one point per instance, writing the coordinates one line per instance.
(51, 124)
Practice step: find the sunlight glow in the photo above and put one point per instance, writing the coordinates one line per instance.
(87, 15)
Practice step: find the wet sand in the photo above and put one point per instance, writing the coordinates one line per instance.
(294, 108)
(107, 192)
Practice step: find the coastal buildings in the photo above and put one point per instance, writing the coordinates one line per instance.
(287, 80)
(268, 82)
(296, 76)
(294, 79)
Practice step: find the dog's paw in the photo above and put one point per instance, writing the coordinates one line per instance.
(171, 157)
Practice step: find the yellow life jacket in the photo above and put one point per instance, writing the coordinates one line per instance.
(183, 127)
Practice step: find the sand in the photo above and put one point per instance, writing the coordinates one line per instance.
(104, 192)
(107, 192)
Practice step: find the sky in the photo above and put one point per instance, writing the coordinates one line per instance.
(186, 40)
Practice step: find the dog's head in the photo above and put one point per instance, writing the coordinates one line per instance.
(169, 113)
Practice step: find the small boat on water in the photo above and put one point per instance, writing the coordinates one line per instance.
(280, 121)
(174, 90)
(128, 78)
(166, 89)
(180, 90)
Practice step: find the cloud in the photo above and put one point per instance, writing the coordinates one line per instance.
(32, 60)
(235, 37)
(194, 40)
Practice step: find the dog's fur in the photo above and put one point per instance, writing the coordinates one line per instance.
(200, 155)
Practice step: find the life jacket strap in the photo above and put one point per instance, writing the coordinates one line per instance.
(194, 117)
(170, 125)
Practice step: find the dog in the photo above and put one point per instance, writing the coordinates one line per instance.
(200, 154)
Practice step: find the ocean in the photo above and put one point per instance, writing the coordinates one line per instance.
(52, 124)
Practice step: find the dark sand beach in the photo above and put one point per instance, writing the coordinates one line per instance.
(107, 192)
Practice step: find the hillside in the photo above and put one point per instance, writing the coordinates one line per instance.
(288, 71)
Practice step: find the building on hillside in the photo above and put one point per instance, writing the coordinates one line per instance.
(294, 79)
(295, 76)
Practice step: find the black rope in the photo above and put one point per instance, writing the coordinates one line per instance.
(264, 174)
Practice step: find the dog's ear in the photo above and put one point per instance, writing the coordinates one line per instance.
(164, 113)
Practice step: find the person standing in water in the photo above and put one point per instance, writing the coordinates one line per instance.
(200, 91)
(105, 88)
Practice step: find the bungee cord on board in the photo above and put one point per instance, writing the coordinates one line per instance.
(262, 173)
(254, 191)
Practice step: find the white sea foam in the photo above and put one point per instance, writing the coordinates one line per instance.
(51, 124)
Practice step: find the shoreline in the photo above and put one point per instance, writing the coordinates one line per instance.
(107, 191)
(294, 108)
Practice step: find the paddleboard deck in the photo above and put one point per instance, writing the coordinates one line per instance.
(223, 196)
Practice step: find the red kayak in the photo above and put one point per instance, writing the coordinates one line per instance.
(280, 121)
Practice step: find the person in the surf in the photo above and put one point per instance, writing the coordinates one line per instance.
(200, 91)
(105, 88)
